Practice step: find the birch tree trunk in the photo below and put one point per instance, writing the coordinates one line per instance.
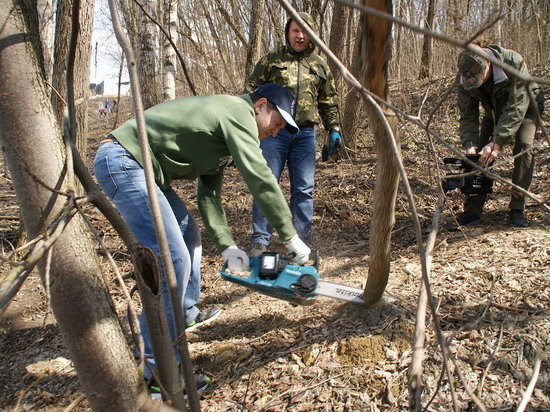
(168, 52)
(79, 298)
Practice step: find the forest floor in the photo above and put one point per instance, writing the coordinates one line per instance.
(490, 284)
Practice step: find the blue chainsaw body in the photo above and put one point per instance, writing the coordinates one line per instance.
(278, 279)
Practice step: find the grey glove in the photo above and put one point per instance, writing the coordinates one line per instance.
(237, 260)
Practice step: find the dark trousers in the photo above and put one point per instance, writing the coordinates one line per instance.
(523, 165)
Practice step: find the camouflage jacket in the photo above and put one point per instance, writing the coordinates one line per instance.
(307, 76)
(507, 103)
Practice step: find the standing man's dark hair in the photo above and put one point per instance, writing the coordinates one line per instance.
(508, 117)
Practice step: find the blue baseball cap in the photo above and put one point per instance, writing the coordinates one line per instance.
(283, 100)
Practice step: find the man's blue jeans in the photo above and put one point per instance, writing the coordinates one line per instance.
(123, 179)
(297, 152)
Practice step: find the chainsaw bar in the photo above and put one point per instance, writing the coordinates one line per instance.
(342, 292)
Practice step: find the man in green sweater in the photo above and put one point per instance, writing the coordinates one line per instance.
(197, 138)
(508, 116)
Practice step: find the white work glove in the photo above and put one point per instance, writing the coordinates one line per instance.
(297, 246)
(237, 260)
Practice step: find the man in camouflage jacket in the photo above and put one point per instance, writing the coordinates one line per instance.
(508, 116)
(297, 67)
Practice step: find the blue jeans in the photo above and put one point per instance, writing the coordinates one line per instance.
(123, 180)
(297, 152)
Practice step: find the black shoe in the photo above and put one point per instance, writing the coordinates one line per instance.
(202, 382)
(204, 318)
(468, 219)
(517, 219)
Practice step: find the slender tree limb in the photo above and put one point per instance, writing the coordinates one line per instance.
(132, 311)
(230, 23)
(489, 362)
(157, 218)
(16, 276)
(532, 383)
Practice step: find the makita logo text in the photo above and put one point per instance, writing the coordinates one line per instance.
(293, 272)
(345, 292)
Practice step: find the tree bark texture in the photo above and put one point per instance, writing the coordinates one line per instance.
(353, 104)
(147, 56)
(426, 60)
(45, 29)
(79, 298)
(256, 30)
(168, 53)
(375, 56)
(81, 67)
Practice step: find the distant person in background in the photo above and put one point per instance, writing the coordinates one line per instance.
(297, 67)
(102, 111)
(107, 105)
(114, 105)
(508, 117)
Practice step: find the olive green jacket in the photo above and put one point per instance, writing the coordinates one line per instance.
(508, 103)
(197, 138)
(306, 75)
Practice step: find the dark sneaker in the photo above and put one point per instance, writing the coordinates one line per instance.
(468, 219)
(204, 318)
(257, 249)
(202, 382)
(517, 219)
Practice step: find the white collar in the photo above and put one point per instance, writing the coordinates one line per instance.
(498, 74)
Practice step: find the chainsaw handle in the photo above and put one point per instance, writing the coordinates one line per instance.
(315, 257)
(315, 254)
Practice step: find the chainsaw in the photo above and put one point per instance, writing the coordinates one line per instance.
(272, 274)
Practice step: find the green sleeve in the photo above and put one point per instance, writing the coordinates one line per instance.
(212, 212)
(247, 156)
(469, 119)
(513, 113)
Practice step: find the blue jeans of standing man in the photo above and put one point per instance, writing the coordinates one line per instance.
(123, 179)
(297, 152)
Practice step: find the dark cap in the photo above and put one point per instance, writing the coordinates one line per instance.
(472, 70)
(283, 100)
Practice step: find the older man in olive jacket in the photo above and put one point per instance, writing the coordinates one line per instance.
(509, 116)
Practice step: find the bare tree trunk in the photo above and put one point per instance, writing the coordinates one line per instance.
(79, 298)
(426, 60)
(353, 104)
(168, 52)
(147, 56)
(81, 68)
(46, 25)
(61, 50)
(375, 56)
(338, 29)
(81, 84)
(256, 30)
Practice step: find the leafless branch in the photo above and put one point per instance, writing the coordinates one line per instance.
(157, 218)
(174, 46)
(532, 383)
